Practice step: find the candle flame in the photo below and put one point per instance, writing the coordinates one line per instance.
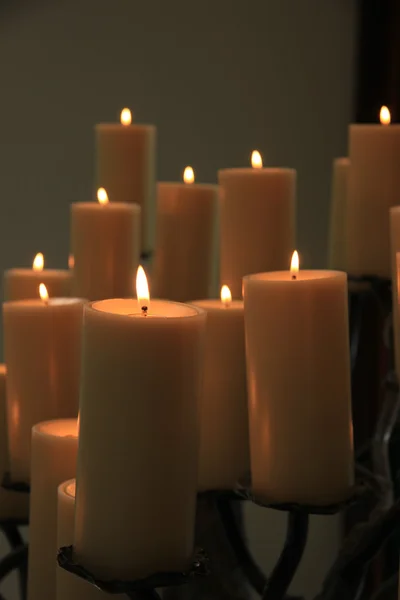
(188, 175)
(142, 290)
(385, 116)
(71, 261)
(43, 293)
(226, 296)
(38, 262)
(256, 160)
(294, 265)
(126, 117)
(102, 196)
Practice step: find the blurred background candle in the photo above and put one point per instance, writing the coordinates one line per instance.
(42, 346)
(141, 383)
(13, 505)
(224, 440)
(257, 221)
(374, 187)
(105, 244)
(186, 239)
(21, 284)
(126, 165)
(337, 234)
(298, 371)
(54, 450)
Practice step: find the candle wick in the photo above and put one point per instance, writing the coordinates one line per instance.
(294, 277)
(144, 311)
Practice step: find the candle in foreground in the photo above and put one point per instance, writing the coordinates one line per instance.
(224, 440)
(22, 284)
(105, 244)
(395, 263)
(42, 346)
(298, 371)
(68, 585)
(186, 240)
(13, 505)
(54, 450)
(337, 235)
(257, 221)
(374, 187)
(141, 384)
(126, 164)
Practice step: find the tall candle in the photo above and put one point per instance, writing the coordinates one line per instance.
(186, 241)
(42, 346)
(374, 187)
(105, 243)
(298, 369)
(68, 585)
(141, 383)
(257, 221)
(337, 234)
(395, 262)
(126, 165)
(54, 450)
(13, 505)
(22, 284)
(224, 440)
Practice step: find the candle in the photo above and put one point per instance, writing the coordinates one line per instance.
(13, 505)
(22, 284)
(298, 369)
(105, 243)
(374, 183)
(257, 221)
(42, 346)
(126, 163)
(186, 239)
(223, 454)
(68, 585)
(395, 256)
(54, 450)
(137, 459)
(337, 237)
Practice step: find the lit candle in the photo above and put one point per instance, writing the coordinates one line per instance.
(186, 239)
(126, 162)
(257, 221)
(54, 450)
(105, 244)
(22, 284)
(224, 453)
(13, 505)
(374, 183)
(298, 370)
(337, 234)
(141, 384)
(42, 347)
(68, 585)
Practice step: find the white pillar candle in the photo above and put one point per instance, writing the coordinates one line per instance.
(42, 346)
(105, 244)
(54, 450)
(22, 284)
(69, 585)
(186, 241)
(141, 383)
(13, 505)
(395, 262)
(337, 234)
(257, 221)
(374, 187)
(224, 439)
(126, 165)
(298, 369)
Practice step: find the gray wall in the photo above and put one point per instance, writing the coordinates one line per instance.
(218, 78)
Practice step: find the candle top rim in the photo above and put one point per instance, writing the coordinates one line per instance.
(258, 172)
(216, 303)
(302, 276)
(118, 126)
(95, 205)
(188, 186)
(52, 428)
(29, 271)
(388, 127)
(190, 311)
(54, 302)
